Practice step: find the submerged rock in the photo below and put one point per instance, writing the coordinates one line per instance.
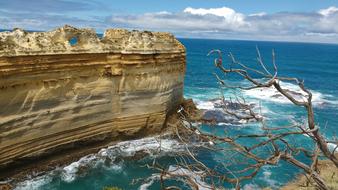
(219, 116)
(219, 112)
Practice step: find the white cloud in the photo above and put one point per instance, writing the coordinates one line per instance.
(328, 11)
(321, 34)
(223, 22)
(230, 15)
(258, 14)
(226, 23)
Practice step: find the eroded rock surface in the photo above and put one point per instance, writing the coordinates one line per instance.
(54, 93)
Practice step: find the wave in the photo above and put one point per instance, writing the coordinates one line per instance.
(149, 182)
(332, 147)
(214, 110)
(205, 105)
(152, 146)
(271, 94)
(202, 95)
(179, 171)
(195, 175)
(216, 104)
(69, 172)
(34, 183)
(250, 186)
(266, 177)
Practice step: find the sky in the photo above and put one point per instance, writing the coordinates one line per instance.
(269, 20)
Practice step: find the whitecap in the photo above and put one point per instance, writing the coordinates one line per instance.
(332, 146)
(224, 124)
(149, 182)
(205, 105)
(69, 173)
(267, 178)
(34, 184)
(251, 186)
(195, 175)
(179, 171)
(271, 94)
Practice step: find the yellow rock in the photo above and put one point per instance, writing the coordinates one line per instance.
(54, 93)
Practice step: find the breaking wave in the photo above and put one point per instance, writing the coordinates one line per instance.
(271, 94)
(195, 175)
(151, 146)
(204, 99)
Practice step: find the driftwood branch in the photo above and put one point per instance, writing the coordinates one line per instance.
(275, 142)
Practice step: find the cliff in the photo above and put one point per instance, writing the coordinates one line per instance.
(68, 86)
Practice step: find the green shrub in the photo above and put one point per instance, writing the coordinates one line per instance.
(111, 188)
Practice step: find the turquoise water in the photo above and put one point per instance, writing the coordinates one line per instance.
(317, 64)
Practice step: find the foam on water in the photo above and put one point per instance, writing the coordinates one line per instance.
(149, 182)
(34, 183)
(251, 187)
(224, 124)
(332, 147)
(69, 173)
(205, 105)
(204, 99)
(177, 170)
(271, 94)
(267, 178)
(195, 175)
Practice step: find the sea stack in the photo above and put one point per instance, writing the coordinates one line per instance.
(67, 87)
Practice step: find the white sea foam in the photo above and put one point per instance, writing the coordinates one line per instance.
(150, 145)
(69, 173)
(177, 170)
(251, 187)
(271, 94)
(201, 96)
(267, 178)
(224, 124)
(195, 175)
(149, 181)
(205, 105)
(35, 183)
(332, 146)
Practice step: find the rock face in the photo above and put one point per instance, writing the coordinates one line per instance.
(66, 86)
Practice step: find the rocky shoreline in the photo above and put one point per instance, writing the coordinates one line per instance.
(57, 95)
(42, 165)
(67, 93)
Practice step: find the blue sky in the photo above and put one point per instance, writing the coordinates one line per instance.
(276, 20)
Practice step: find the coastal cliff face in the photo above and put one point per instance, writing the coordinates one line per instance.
(54, 93)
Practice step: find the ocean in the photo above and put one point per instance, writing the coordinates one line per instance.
(316, 64)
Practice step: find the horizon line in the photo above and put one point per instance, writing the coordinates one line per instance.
(203, 38)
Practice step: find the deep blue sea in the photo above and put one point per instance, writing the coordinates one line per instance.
(317, 64)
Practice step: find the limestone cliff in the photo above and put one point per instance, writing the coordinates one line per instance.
(54, 93)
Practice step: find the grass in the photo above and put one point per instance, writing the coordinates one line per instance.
(111, 188)
(328, 172)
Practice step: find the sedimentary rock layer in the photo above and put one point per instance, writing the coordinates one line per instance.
(68, 85)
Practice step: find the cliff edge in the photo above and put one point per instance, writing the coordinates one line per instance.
(65, 87)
